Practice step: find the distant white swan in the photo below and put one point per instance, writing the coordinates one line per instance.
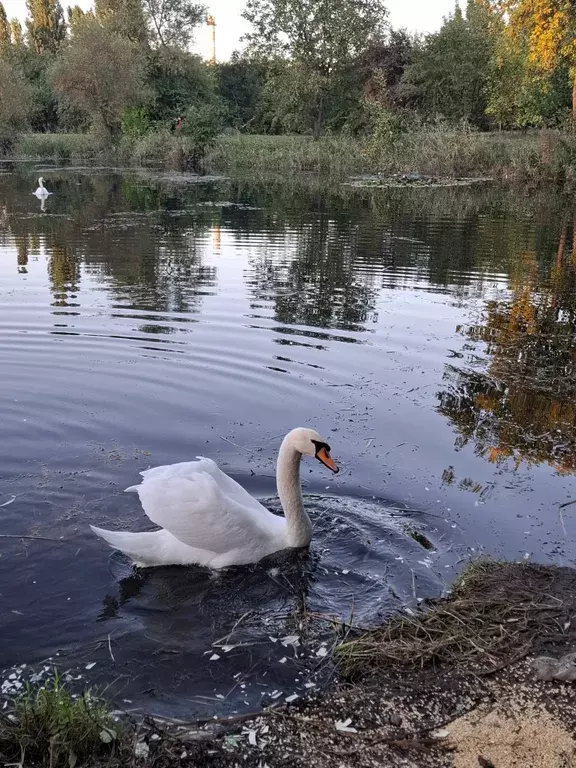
(41, 191)
(209, 519)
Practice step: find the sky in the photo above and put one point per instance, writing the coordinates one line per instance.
(415, 15)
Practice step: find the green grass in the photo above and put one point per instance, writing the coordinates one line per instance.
(548, 156)
(49, 726)
(58, 147)
(336, 155)
(531, 158)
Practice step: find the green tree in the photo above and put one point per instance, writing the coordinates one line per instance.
(178, 80)
(172, 22)
(76, 16)
(450, 73)
(5, 37)
(16, 33)
(86, 74)
(241, 83)
(14, 103)
(46, 26)
(322, 40)
(125, 17)
(43, 112)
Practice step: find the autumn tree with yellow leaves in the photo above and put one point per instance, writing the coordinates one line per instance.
(548, 28)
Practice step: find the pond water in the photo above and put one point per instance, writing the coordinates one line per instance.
(150, 318)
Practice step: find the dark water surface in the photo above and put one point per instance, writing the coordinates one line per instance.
(428, 334)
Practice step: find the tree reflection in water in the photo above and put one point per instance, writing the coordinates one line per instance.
(520, 405)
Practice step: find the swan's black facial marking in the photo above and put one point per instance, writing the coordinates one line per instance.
(322, 453)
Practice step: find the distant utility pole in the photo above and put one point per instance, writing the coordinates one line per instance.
(212, 24)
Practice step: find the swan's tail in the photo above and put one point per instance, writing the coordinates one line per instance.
(154, 548)
(142, 548)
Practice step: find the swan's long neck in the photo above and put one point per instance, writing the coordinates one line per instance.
(298, 525)
(41, 183)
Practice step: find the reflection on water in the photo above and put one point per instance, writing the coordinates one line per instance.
(149, 319)
(516, 398)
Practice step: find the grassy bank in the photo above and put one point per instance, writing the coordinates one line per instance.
(538, 157)
(534, 158)
(437, 687)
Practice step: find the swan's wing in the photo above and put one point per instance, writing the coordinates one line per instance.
(195, 509)
(230, 487)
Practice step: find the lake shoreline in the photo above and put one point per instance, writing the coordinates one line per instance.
(460, 698)
(534, 158)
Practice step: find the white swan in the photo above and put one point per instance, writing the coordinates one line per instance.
(41, 191)
(208, 519)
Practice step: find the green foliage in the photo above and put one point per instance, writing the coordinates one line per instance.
(241, 82)
(76, 16)
(86, 75)
(124, 17)
(60, 147)
(14, 103)
(35, 69)
(45, 25)
(5, 41)
(450, 71)
(50, 725)
(178, 80)
(172, 22)
(135, 122)
(164, 149)
(16, 33)
(201, 125)
(322, 39)
(384, 65)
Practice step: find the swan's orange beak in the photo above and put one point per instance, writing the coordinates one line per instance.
(323, 456)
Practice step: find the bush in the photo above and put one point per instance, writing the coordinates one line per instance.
(202, 124)
(165, 149)
(135, 122)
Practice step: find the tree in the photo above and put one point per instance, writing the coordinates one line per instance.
(172, 22)
(46, 26)
(178, 80)
(384, 65)
(549, 29)
(125, 17)
(450, 72)
(321, 39)
(5, 38)
(240, 83)
(34, 67)
(518, 95)
(100, 73)
(16, 33)
(14, 103)
(76, 16)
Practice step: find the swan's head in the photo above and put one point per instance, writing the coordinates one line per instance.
(309, 443)
(41, 180)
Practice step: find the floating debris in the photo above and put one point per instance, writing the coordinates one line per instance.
(344, 726)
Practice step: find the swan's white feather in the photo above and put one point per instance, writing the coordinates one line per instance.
(207, 518)
(154, 548)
